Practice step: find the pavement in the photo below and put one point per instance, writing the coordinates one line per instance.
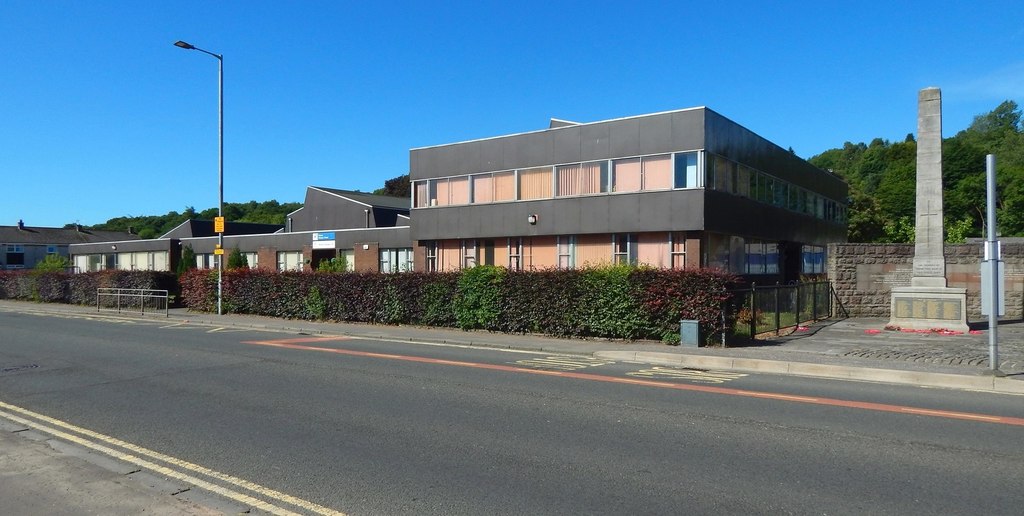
(38, 475)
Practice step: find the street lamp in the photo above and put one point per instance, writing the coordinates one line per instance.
(220, 152)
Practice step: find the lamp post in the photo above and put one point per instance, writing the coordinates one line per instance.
(220, 175)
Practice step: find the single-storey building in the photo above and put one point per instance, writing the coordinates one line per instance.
(370, 232)
(22, 247)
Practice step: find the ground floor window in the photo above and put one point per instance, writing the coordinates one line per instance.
(396, 259)
(812, 258)
(515, 254)
(566, 249)
(677, 250)
(430, 261)
(469, 254)
(288, 260)
(624, 249)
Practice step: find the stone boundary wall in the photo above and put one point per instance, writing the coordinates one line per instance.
(864, 274)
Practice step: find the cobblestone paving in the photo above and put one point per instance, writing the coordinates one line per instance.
(862, 339)
(954, 357)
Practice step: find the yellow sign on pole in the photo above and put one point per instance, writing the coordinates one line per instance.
(218, 224)
(218, 251)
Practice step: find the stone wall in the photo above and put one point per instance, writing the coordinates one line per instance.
(864, 274)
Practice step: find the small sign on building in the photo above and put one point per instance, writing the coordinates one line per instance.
(323, 240)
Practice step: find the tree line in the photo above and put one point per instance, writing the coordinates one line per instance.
(153, 226)
(882, 179)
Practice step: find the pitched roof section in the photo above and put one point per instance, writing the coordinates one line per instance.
(192, 228)
(371, 200)
(59, 236)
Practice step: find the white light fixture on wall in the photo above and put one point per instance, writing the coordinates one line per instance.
(532, 219)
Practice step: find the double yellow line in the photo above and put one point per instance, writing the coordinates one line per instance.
(145, 458)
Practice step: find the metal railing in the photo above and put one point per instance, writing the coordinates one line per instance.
(772, 309)
(140, 300)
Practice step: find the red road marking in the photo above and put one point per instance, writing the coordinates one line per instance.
(863, 405)
(295, 341)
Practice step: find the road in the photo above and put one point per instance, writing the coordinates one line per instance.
(313, 424)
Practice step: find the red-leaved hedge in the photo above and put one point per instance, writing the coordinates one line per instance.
(614, 302)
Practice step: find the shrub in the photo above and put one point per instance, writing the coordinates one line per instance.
(615, 302)
(80, 289)
(237, 260)
(477, 303)
(188, 260)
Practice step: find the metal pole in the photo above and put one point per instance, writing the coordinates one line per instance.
(753, 310)
(220, 179)
(220, 168)
(778, 320)
(993, 263)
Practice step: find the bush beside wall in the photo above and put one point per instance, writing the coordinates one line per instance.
(79, 289)
(614, 302)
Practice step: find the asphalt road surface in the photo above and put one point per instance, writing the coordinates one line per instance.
(314, 424)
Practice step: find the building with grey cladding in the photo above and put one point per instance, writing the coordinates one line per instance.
(686, 188)
(680, 189)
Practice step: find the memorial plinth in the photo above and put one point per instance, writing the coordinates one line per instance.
(929, 304)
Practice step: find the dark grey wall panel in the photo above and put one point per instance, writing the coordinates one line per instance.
(491, 155)
(625, 137)
(729, 139)
(323, 210)
(655, 134)
(467, 159)
(567, 147)
(733, 215)
(688, 129)
(595, 142)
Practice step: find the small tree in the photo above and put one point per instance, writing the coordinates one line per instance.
(237, 260)
(188, 260)
(53, 263)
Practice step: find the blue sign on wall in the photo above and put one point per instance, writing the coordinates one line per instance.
(329, 235)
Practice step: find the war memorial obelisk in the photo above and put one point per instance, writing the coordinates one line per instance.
(928, 303)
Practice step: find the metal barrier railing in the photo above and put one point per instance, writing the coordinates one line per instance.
(139, 300)
(770, 309)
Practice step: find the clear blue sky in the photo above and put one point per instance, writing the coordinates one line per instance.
(101, 116)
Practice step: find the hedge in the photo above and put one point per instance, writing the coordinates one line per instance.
(79, 289)
(613, 302)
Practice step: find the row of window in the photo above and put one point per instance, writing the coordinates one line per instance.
(569, 251)
(19, 248)
(741, 255)
(141, 260)
(728, 176)
(637, 174)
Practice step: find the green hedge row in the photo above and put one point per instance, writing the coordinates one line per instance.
(79, 289)
(614, 302)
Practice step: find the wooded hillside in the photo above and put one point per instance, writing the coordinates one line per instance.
(881, 175)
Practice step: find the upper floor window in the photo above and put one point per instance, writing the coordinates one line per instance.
(686, 170)
(582, 178)
(535, 183)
